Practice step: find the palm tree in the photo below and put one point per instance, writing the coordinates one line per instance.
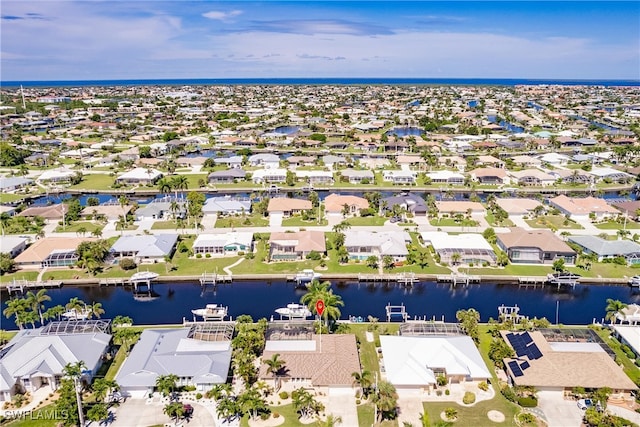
(164, 185)
(363, 380)
(36, 301)
(124, 201)
(76, 305)
(54, 312)
(16, 308)
(174, 410)
(102, 386)
(166, 383)
(385, 399)
(179, 182)
(613, 308)
(330, 421)
(317, 291)
(95, 309)
(97, 233)
(275, 366)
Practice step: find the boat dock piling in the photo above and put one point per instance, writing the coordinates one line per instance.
(532, 280)
(20, 285)
(395, 311)
(406, 279)
(114, 281)
(455, 279)
(214, 278)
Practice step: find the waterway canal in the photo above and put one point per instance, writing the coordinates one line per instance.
(259, 299)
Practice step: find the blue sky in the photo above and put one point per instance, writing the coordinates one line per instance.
(90, 39)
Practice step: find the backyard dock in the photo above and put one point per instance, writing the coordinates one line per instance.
(22, 285)
(406, 279)
(459, 278)
(215, 278)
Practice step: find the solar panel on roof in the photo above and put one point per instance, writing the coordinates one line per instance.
(524, 365)
(535, 352)
(527, 338)
(515, 369)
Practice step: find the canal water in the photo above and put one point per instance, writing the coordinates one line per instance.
(431, 300)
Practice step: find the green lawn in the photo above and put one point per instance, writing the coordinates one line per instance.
(367, 221)
(475, 415)
(115, 365)
(95, 182)
(614, 225)
(10, 197)
(365, 417)
(297, 221)
(492, 221)
(602, 269)
(89, 227)
(513, 270)
(164, 225)
(628, 366)
(37, 418)
(553, 222)
(239, 221)
(286, 411)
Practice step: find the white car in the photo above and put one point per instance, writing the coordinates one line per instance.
(585, 404)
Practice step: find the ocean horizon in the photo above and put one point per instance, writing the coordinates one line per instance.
(321, 81)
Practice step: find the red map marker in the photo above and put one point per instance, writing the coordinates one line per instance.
(320, 307)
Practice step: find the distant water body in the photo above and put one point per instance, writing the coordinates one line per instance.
(318, 81)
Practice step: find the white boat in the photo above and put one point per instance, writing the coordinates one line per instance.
(307, 275)
(294, 311)
(211, 312)
(563, 278)
(144, 276)
(77, 314)
(634, 282)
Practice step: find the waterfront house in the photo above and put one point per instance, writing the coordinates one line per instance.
(399, 176)
(13, 184)
(49, 212)
(324, 362)
(269, 176)
(332, 162)
(295, 246)
(490, 176)
(288, 207)
(56, 176)
(298, 161)
(162, 209)
(489, 161)
(334, 204)
(223, 244)
(608, 249)
(36, 358)
(139, 176)
(526, 161)
(583, 208)
(315, 176)
(199, 355)
(363, 244)
(445, 177)
(472, 248)
(534, 247)
(227, 176)
(266, 160)
(409, 201)
(518, 207)
(226, 205)
(145, 249)
(50, 252)
(554, 159)
(611, 175)
(571, 176)
(551, 361)
(13, 245)
(452, 207)
(110, 211)
(534, 177)
(358, 176)
(630, 209)
(233, 162)
(413, 363)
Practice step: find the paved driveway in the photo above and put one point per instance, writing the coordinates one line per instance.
(342, 403)
(275, 219)
(137, 413)
(559, 412)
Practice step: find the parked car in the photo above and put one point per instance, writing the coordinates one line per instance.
(188, 410)
(585, 404)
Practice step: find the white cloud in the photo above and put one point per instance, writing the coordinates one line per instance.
(221, 15)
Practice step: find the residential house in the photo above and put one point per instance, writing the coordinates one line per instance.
(13, 184)
(228, 176)
(297, 161)
(266, 160)
(574, 176)
(36, 358)
(332, 162)
(534, 247)
(199, 355)
(583, 208)
(399, 176)
(162, 209)
(269, 176)
(358, 176)
(517, 206)
(287, 207)
(140, 176)
(50, 252)
(610, 174)
(226, 205)
(295, 246)
(334, 204)
(554, 159)
(13, 245)
(49, 212)
(489, 161)
(452, 207)
(110, 211)
(534, 177)
(490, 176)
(410, 202)
(315, 176)
(56, 176)
(223, 244)
(471, 248)
(445, 177)
(149, 248)
(233, 162)
(363, 244)
(608, 249)
(526, 161)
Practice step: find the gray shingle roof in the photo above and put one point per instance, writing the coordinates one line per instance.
(146, 246)
(606, 247)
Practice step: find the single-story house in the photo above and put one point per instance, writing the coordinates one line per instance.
(295, 246)
(358, 176)
(36, 358)
(414, 363)
(518, 206)
(615, 175)
(628, 208)
(223, 243)
(49, 212)
(552, 364)
(13, 245)
(583, 208)
(335, 204)
(149, 248)
(606, 249)
(472, 248)
(491, 176)
(56, 176)
(315, 177)
(111, 211)
(399, 176)
(526, 161)
(576, 176)
(51, 252)
(629, 335)
(409, 201)
(533, 177)
(534, 246)
(448, 207)
(228, 176)
(226, 205)
(629, 314)
(14, 183)
(296, 161)
(554, 159)
(162, 208)
(445, 177)
(332, 161)
(264, 176)
(139, 176)
(196, 356)
(267, 160)
(233, 162)
(288, 207)
(363, 244)
(490, 161)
